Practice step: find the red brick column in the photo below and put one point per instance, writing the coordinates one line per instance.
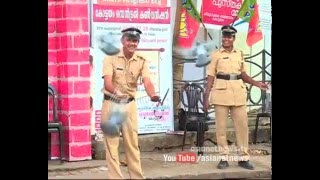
(69, 72)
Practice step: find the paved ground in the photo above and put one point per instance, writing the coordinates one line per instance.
(155, 167)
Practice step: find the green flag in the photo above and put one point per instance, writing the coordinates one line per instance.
(246, 10)
(192, 10)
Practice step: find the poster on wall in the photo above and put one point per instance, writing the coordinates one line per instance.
(220, 13)
(153, 19)
(217, 13)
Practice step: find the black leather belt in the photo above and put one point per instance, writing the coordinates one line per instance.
(229, 76)
(116, 100)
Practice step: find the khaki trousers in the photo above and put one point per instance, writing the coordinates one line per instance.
(129, 132)
(240, 120)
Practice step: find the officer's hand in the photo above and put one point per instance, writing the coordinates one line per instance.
(262, 86)
(155, 98)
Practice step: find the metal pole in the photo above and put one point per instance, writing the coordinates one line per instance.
(263, 79)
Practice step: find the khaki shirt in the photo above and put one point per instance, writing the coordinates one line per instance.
(125, 73)
(227, 92)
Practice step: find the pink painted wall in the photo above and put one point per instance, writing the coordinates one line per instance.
(69, 72)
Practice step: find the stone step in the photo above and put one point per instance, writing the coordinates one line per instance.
(151, 142)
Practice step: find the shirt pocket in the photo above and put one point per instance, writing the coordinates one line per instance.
(220, 84)
(239, 65)
(119, 74)
(132, 78)
(236, 66)
(223, 65)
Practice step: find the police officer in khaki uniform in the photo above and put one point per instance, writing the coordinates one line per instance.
(226, 75)
(121, 73)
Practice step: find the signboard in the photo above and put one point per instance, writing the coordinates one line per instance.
(217, 13)
(220, 12)
(153, 18)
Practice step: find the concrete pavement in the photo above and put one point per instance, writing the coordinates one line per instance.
(155, 166)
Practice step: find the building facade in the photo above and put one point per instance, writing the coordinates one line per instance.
(69, 73)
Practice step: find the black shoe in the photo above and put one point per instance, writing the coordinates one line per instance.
(223, 164)
(246, 165)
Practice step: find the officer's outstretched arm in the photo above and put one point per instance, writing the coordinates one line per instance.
(109, 87)
(247, 79)
(145, 74)
(149, 87)
(107, 72)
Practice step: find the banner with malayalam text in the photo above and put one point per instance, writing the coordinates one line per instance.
(217, 12)
(153, 18)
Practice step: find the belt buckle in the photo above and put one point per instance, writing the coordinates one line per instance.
(125, 100)
(233, 76)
